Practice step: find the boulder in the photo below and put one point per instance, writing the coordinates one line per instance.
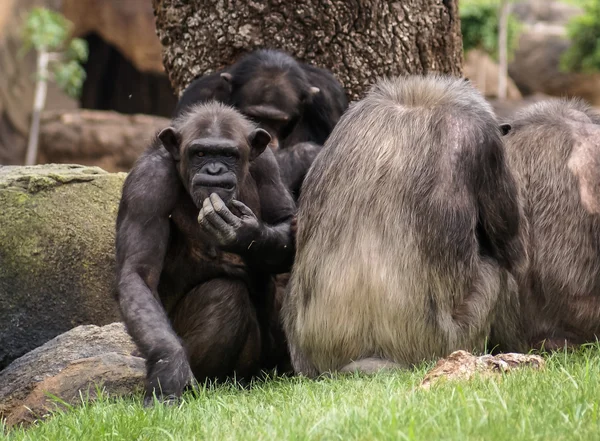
(535, 67)
(506, 109)
(56, 252)
(109, 140)
(483, 72)
(74, 364)
(548, 11)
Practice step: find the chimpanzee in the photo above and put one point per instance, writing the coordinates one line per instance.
(298, 104)
(295, 102)
(405, 253)
(203, 227)
(553, 148)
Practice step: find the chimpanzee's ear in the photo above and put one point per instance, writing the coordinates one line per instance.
(309, 94)
(259, 140)
(226, 76)
(505, 129)
(171, 139)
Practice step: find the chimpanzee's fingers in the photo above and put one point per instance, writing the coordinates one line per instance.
(213, 217)
(216, 227)
(222, 210)
(244, 209)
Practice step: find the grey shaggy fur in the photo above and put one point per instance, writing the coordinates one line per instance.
(407, 231)
(554, 152)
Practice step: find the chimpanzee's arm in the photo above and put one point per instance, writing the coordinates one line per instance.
(274, 249)
(294, 161)
(267, 244)
(149, 194)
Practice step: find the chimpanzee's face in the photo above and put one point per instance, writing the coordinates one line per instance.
(272, 103)
(213, 156)
(212, 165)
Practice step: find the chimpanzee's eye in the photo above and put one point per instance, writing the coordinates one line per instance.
(228, 155)
(200, 153)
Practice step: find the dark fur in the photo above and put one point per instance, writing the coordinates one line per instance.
(554, 151)
(202, 89)
(191, 306)
(404, 253)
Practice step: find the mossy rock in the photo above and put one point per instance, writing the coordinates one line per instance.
(57, 226)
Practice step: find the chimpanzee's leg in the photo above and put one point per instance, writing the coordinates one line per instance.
(218, 325)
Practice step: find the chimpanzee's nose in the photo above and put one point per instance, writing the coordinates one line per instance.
(216, 168)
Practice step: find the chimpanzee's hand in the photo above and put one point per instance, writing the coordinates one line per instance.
(167, 377)
(230, 231)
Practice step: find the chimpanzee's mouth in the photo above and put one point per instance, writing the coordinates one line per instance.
(221, 182)
(224, 185)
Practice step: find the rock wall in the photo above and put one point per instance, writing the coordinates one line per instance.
(125, 72)
(110, 140)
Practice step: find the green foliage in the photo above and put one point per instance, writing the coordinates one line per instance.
(69, 77)
(584, 32)
(480, 26)
(48, 31)
(45, 30)
(78, 50)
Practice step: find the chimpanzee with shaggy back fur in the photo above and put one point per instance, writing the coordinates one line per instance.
(203, 225)
(403, 253)
(296, 103)
(553, 150)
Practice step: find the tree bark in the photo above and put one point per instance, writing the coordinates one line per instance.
(358, 40)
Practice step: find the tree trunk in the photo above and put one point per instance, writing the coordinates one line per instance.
(39, 101)
(503, 49)
(358, 40)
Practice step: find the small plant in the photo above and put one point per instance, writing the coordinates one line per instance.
(584, 32)
(59, 58)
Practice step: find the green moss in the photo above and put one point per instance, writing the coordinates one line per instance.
(56, 246)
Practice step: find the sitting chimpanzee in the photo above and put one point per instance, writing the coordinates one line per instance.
(203, 227)
(298, 104)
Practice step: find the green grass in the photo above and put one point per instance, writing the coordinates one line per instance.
(560, 403)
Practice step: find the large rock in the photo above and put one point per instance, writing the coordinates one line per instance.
(536, 64)
(548, 11)
(71, 365)
(56, 252)
(506, 109)
(109, 140)
(483, 72)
